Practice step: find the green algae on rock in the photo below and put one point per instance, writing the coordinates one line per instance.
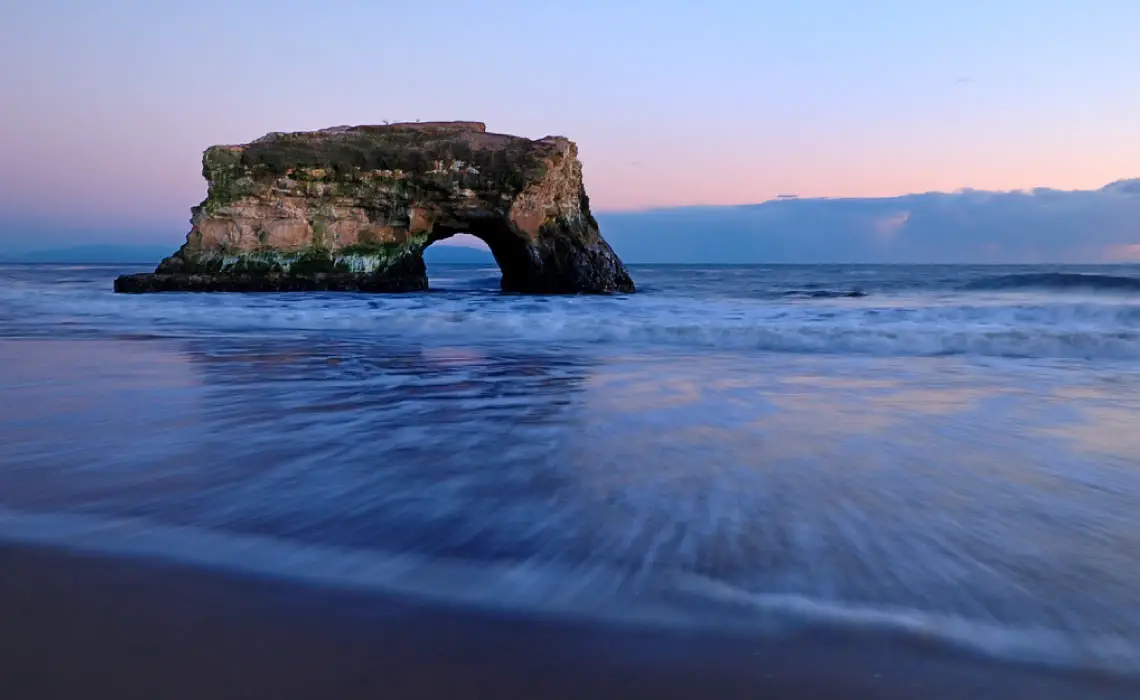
(353, 208)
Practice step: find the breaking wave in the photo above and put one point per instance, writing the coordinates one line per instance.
(1060, 281)
(794, 310)
(824, 294)
(1062, 330)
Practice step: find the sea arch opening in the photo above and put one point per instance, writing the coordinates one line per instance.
(481, 244)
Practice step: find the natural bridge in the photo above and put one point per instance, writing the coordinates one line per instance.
(353, 208)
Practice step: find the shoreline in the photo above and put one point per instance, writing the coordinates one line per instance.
(79, 624)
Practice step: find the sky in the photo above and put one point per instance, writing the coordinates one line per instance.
(108, 105)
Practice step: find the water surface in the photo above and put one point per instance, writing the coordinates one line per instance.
(944, 453)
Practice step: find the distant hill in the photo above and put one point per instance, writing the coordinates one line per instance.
(140, 254)
(457, 255)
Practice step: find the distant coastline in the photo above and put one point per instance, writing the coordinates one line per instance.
(92, 254)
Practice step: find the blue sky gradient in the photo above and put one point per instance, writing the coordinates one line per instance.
(108, 105)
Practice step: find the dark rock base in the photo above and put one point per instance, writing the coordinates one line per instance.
(318, 282)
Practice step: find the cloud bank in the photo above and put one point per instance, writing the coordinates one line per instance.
(969, 226)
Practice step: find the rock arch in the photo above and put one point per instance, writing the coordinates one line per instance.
(353, 208)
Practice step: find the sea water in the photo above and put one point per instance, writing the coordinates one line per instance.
(945, 453)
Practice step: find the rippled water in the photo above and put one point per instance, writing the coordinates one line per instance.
(947, 453)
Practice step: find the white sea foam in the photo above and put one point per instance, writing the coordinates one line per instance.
(912, 312)
(594, 593)
(1072, 329)
(1035, 645)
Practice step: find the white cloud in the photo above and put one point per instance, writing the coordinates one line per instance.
(889, 227)
(1039, 225)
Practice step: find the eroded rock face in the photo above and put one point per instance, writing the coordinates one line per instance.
(352, 208)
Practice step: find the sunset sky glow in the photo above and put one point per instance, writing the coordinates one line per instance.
(672, 103)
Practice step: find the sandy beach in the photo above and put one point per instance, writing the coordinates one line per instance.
(83, 626)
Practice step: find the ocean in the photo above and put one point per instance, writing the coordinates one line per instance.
(944, 454)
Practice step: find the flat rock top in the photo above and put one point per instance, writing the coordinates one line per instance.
(437, 127)
(406, 133)
(410, 147)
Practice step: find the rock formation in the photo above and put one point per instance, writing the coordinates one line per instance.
(352, 209)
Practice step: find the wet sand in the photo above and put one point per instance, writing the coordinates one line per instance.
(84, 626)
